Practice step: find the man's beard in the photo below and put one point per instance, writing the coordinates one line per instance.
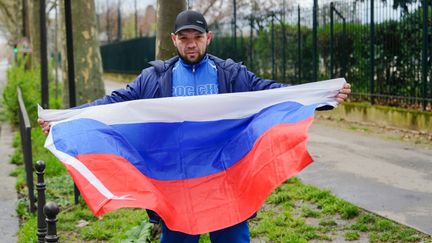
(192, 63)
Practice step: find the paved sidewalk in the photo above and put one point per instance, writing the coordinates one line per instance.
(111, 85)
(8, 195)
(389, 178)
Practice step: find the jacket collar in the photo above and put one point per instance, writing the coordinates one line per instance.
(227, 71)
(162, 66)
(197, 65)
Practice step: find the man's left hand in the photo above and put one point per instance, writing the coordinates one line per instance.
(343, 93)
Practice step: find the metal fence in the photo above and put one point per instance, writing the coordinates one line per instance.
(26, 146)
(386, 57)
(381, 47)
(129, 56)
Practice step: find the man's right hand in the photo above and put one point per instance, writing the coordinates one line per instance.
(46, 126)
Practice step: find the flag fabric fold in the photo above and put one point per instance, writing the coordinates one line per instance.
(202, 163)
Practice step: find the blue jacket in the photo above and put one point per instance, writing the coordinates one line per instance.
(156, 81)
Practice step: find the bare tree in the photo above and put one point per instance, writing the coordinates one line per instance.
(218, 11)
(167, 11)
(87, 59)
(34, 7)
(10, 19)
(147, 24)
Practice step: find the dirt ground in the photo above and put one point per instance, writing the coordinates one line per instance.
(412, 137)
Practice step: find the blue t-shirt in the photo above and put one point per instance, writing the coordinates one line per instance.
(196, 79)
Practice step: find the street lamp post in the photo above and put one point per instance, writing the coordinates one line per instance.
(43, 54)
(71, 66)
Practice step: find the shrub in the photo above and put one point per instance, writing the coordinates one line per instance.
(29, 82)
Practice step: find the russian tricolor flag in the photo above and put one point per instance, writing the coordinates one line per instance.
(202, 163)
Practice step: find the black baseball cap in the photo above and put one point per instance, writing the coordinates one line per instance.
(190, 19)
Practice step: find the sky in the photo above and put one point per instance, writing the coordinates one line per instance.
(126, 5)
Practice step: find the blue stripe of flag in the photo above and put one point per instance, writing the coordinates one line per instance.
(178, 150)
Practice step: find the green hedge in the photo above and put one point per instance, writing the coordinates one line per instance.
(28, 81)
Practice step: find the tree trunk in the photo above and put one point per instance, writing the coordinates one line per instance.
(87, 59)
(34, 32)
(167, 11)
(10, 18)
(25, 18)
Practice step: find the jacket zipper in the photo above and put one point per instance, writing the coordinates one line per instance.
(193, 71)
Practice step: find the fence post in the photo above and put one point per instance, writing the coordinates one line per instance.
(284, 61)
(315, 40)
(43, 54)
(251, 43)
(331, 39)
(40, 186)
(25, 131)
(299, 57)
(70, 66)
(234, 27)
(273, 46)
(372, 53)
(242, 54)
(345, 50)
(51, 210)
(284, 44)
(333, 10)
(425, 53)
(70, 55)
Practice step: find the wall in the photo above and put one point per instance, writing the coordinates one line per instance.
(385, 116)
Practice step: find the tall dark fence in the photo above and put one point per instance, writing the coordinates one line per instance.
(129, 56)
(381, 47)
(386, 57)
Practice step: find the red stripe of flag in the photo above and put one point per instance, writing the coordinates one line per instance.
(208, 203)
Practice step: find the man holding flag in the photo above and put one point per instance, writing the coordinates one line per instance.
(193, 72)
